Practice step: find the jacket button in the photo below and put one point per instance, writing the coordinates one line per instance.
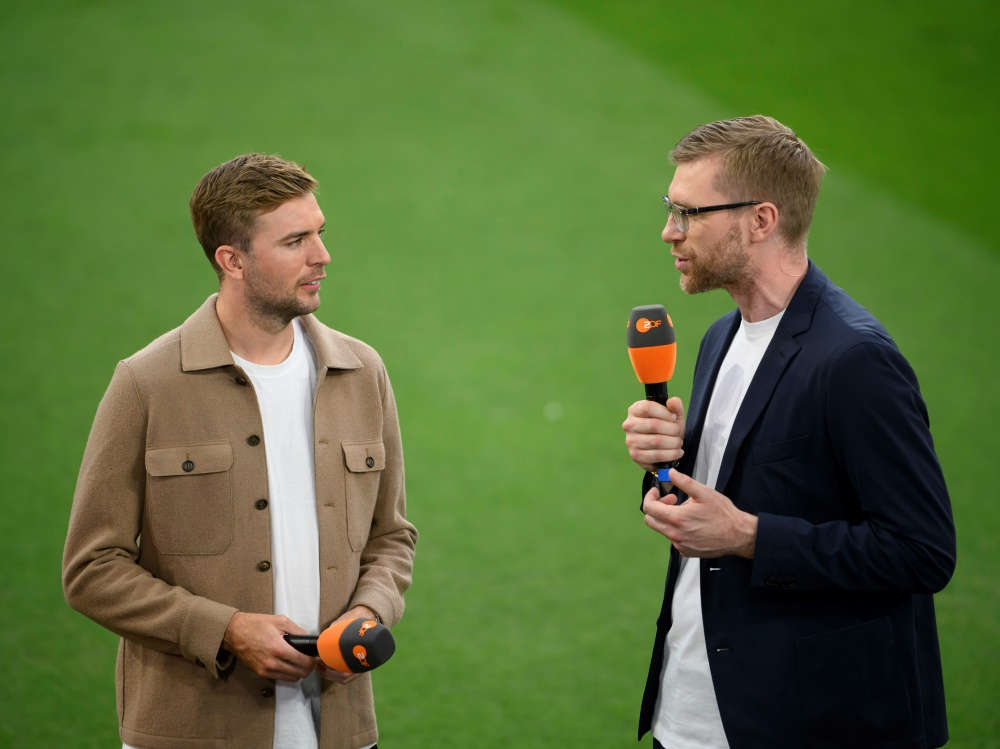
(264, 566)
(260, 504)
(253, 440)
(241, 380)
(188, 466)
(370, 461)
(267, 692)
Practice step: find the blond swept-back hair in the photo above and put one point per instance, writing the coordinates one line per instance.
(762, 160)
(229, 199)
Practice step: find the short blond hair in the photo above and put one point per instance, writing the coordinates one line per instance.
(228, 200)
(762, 160)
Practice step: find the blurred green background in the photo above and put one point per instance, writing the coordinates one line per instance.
(491, 172)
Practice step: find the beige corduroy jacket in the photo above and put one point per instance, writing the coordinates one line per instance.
(169, 533)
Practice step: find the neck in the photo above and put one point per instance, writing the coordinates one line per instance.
(247, 338)
(772, 287)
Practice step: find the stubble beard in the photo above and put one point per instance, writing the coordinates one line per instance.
(727, 265)
(272, 307)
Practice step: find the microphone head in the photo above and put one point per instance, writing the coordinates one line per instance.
(355, 646)
(652, 346)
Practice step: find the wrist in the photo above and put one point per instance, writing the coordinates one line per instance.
(749, 535)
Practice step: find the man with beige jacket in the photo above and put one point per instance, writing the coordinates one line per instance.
(243, 479)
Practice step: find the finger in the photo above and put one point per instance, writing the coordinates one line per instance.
(676, 407)
(664, 529)
(293, 657)
(668, 426)
(650, 410)
(661, 509)
(284, 671)
(688, 485)
(287, 626)
(332, 674)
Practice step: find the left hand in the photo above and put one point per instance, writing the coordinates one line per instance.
(332, 674)
(707, 525)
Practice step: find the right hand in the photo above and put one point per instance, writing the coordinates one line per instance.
(654, 433)
(258, 641)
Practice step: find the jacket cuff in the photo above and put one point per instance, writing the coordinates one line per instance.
(201, 636)
(381, 603)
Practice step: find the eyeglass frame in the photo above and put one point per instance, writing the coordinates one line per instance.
(681, 214)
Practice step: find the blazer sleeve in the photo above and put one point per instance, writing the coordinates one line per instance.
(387, 557)
(102, 577)
(900, 536)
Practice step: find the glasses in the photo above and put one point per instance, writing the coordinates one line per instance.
(680, 214)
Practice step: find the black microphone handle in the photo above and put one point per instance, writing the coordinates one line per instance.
(657, 391)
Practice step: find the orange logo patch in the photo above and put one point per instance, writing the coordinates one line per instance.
(644, 326)
(361, 654)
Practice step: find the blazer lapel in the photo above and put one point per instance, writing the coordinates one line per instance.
(782, 349)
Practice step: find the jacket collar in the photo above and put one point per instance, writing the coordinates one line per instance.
(204, 345)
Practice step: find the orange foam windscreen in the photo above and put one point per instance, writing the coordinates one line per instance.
(355, 646)
(652, 345)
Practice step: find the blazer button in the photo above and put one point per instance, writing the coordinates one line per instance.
(267, 692)
(260, 504)
(264, 566)
(241, 380)
(370, 461)
(253, 440)
(188, 466)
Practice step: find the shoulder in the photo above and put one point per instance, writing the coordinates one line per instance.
(841, 324)
(158, 358)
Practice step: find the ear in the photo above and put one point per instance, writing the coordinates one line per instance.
(232, 261)
(764, 222)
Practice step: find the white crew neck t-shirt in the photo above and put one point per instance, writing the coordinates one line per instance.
(285, 394)
(687, 712)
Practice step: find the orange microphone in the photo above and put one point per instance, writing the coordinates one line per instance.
(352, 646)
(652, 347)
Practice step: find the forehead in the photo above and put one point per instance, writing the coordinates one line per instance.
(694, 183)
(298, 214)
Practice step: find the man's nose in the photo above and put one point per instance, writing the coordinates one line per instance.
(321, 256)
(670, 232)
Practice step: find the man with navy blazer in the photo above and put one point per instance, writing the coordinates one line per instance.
(809, 519)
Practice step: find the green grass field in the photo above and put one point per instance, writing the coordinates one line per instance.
(491, 172)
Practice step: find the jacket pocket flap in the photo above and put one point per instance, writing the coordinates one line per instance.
(362, 457)
(189, 459)
(780, 450)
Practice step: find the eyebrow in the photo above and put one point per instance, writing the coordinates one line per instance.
(298, 234)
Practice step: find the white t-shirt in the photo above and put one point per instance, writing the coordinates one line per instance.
(285, 395)
(687, 713)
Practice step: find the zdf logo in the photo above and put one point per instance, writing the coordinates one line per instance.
(644, 326)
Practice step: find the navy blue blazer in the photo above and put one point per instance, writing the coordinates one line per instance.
(827, 638)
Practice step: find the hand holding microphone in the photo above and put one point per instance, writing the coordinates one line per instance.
(655, 427)
(350, 646)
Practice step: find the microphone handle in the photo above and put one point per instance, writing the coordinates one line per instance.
(657, 391)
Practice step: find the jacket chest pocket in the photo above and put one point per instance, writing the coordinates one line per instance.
(189, 496)
(364, 462)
